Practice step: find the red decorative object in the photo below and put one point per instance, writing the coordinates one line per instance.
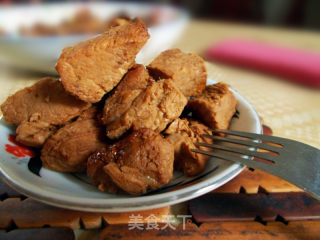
(293, 64)
(18, 149)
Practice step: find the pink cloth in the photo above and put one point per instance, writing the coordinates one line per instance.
(300, 66)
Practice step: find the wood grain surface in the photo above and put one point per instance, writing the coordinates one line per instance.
(306, 230)
(29, 213)
(255, 182)
(261, 207)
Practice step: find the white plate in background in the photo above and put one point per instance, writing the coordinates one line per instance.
(40, 53)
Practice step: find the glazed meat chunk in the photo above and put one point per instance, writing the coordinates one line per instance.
(69, 149)
(134, 82)
(157, 106)
(40, 109)
(183, 134)
(92, 68)
(215, 106)
(187, 70)
(34, 133)
(46, 100)
(142, 160)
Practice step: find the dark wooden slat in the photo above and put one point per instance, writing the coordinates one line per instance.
(305, 230)
(39, 234)
(247, 207)
(32, 214)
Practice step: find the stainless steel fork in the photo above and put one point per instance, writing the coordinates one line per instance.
(293, 161)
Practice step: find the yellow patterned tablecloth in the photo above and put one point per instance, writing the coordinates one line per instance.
(291, 111)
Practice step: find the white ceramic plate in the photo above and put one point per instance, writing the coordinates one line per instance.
(75, 192)
(40, 53)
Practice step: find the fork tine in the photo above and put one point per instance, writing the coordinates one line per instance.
(262, 155)
(248, 162)
(245, 142)
(272, 139)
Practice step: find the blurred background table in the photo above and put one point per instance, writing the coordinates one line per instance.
(290, 110)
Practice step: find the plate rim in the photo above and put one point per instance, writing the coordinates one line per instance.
(101, 207)
(143, 203)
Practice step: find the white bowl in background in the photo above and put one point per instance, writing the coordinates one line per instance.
(40, 53)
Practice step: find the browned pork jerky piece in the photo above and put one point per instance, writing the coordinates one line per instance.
(40, 110)
(69, 149)
(34, 133)
(157, 106)
(92, 68)
(183, 134)
(134, 82)
(142, 160)
(46, 101)
(187, 70)
(215, 106)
